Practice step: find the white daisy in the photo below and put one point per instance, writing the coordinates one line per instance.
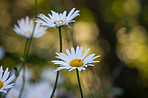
(25, 28)
(58, 19)
(75, 60)
(5, 82)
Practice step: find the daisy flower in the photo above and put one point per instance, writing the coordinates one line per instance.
(58, 19)
(75, 59)
(25, 28)
(5, 80)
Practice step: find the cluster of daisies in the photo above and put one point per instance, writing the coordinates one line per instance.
(73, 59)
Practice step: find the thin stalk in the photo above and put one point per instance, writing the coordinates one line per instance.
(0, 94)
(23, 85)
(25, 55)
(79, 83)
(57, 76)
(36, 9)
(23, 63)
(24, 58)
(27, 51)
(60, 37)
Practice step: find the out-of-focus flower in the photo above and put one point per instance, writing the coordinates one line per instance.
(39, 90)
(25, 28)
(58, 19)
(49, 76)
(13, 93)
(75, 60)
(5, 82)
(2, 52)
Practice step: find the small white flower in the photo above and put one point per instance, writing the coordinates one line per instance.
(5, 82)
(75, 60)
(25, 28)
(58, 19)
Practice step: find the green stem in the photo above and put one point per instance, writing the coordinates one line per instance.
(23, 85)
(36, 9)
(27, 52)
(25, 55)
(23, 63)
(55, 85)
(79, 82)
(60, 37)
(57, 76)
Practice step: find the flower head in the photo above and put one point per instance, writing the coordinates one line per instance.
(5, 82)
(25, 28)
(75, 59)
(58, 19)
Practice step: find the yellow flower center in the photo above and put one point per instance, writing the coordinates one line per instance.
(76, 63)
(55, 22)
(27, 32)
(1, 84)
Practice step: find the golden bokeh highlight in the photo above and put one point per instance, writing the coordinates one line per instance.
(132, 7)
(133, 49)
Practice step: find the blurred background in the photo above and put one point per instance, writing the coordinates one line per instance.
(115, 29)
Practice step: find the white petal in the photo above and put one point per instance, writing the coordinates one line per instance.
(88, 58)
(4, 91)
(72, 68)
(8, 86)
(81, 68)
(79, 54)
(1, 72)
(84, 55)
(85, 65)
(70, 13)
(63, 57)
(9, 80)
(67, 51)
(45, 18)
(64, 13)
(61, 68)
(90, 65)
(72, 16)
(60, 62)
(96, 56)
(69, 55)
(77, 51)
(95, 61)
(5, 76)
(73, 51)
